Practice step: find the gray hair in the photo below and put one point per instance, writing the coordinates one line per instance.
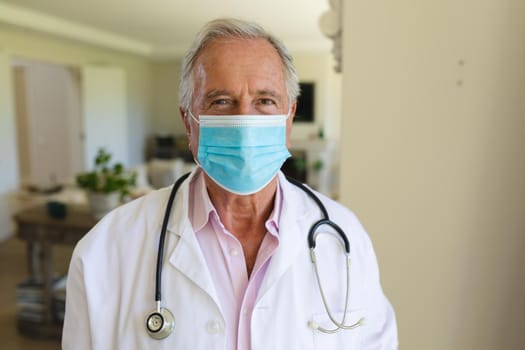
(232, 28)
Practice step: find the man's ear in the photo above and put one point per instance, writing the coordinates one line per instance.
(184, 116)
(293, 108)
(289, 123)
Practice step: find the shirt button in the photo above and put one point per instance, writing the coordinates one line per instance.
(213, 327)
(234, 252)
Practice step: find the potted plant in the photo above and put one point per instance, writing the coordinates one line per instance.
(106, 185)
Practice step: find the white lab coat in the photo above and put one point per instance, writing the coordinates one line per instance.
(111, 283)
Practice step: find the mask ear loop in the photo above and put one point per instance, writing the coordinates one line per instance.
(188, 111)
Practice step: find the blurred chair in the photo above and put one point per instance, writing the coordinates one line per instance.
(164, 172)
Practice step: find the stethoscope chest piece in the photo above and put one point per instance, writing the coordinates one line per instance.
(160, 323)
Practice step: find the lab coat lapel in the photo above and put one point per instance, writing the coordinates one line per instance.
(186, 255)
(188, 259)
(293, 231)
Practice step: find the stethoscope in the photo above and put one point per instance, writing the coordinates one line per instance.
(160, 322)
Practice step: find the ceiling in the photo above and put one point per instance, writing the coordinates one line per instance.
(163, 28)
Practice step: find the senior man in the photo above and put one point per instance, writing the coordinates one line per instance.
(224, 259)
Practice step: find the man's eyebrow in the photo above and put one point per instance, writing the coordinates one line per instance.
(271, 93)
(263, 92)
(215, 93)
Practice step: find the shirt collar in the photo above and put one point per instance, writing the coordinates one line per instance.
(200, 206)
(202, 209)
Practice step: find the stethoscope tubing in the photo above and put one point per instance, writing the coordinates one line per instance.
(160, 254)
(324, 221)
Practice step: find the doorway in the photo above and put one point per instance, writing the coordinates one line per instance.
(48, 114)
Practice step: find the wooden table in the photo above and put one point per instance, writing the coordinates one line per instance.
(41, 232)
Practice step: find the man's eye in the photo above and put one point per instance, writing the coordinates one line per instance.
(266, 101)
(221, 101)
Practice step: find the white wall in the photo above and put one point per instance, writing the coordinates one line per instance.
(76, 134)
(104, 99)
(434, 163)
(8, 156)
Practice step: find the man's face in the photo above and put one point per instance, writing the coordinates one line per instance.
(238, 76)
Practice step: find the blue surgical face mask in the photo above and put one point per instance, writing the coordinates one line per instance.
(242, 153)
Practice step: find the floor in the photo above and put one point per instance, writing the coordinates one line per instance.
(13, 269)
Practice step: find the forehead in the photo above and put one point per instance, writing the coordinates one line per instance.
(238, 61)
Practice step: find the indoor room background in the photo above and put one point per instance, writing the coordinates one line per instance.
(426, 124)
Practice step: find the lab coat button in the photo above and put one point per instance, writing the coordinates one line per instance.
(213, 327)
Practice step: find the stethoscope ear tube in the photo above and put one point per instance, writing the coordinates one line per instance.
(324, 221)
(312, 236)
(338, 324)
(314, 231)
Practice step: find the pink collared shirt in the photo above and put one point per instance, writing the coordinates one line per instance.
(237, 292)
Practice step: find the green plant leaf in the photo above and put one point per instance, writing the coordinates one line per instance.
(107, 178)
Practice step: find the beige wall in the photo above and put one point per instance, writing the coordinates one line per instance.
(434, 163)
(166, 117)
